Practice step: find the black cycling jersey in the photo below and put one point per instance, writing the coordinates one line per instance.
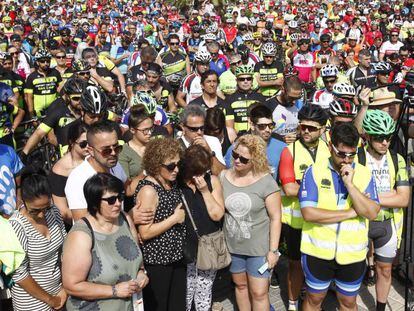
(270, 72)
(134, 74)
(166, 90)
(359, 79)
(200, 101)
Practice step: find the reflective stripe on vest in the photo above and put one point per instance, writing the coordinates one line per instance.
(302, 159)
(347, 241)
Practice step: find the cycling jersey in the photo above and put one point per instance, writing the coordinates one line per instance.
(6, 112)
(43, 88)
(303, 63)
(270, 72)
(322, 98)
(193, 42)
(117, 52)
(161, 117)
(358, 78)
(285, 118)
(200, 101)
(58, 118)
(173, 63)
(237, 105)
(191, 86)
(164, 94)
(135, 74)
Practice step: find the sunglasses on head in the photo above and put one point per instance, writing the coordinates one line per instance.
(171, 167)
(112, 200)
(310, 128)
(263, 126)
(82, 144)
(245, 79)
(381, 138)
(343, 155)
(242, 159)
(195, 128)
(107, 151)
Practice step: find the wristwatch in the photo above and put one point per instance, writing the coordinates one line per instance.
(275, 251)
(114, 291)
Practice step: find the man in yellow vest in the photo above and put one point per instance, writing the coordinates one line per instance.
(294, 161)
(337, 198)
(391, 179)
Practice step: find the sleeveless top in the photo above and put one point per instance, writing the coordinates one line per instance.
(116, 258)
(166, 248)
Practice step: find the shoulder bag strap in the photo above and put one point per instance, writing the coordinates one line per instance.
(189, 214)
(90, 228)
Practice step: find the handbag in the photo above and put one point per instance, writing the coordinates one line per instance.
(212, 252)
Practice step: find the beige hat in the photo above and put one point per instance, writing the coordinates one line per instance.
(382, 96)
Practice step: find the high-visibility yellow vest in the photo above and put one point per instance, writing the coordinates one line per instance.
(302, 159)
(397, 213)
(346, 241)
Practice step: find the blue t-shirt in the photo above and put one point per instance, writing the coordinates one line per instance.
(219, 66)
(10, 166)
(308, 191)
(118, 51)
(274, 150)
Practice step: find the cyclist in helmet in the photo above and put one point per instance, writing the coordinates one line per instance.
(162, 91)
(247, 56)
(294, 161)
(269, 71)
(12, 79)
(190, 87)
(43, 85)
(342, 111)
(324, 97)
(344, 91)
(59, 116)
(67, 44)
(228, 82)
(237, 104)
(383, 71)
(390, 173)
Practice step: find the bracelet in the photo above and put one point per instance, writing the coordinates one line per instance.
(114, 291)
(143, 270)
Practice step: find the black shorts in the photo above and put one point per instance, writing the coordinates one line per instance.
(319, 273)
(293, 238)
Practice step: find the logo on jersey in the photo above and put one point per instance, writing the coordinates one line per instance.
(326, 183)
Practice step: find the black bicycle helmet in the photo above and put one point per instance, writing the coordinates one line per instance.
(312, 112)
(243, 50)
(81, 65)
(93, 100)
(74, 86)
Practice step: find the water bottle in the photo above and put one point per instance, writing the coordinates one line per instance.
(138, 302)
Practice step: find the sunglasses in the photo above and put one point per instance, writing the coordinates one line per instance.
(242, 159)
(195, 128)
(84, 73)
(60, 57)
(332, 81)
(310, 128)
(44, 61)
(263, 126)
(14, 53)
(107, 151)
(76, 98)
(171, 167)
(394, 35)
(343, 155)
(174, 43)
(381, 138)
(112, 200)
(245, 79)
(82, 144)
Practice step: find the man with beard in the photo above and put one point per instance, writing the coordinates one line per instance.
(42, 86)
(120, 53)
(104, 150)
(294, 161)
(162, 91)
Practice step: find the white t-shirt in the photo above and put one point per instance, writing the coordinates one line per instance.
(381, 173)
(388, 48)
(77, 179)
(286, 119)
(214, 145)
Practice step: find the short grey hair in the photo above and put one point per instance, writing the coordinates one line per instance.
(192, 110)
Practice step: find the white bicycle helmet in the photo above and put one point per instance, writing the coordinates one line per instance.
(381, 67)
(343, 89)
(93, 100)
(210, 36)
(295, 36)
(202, 57)
(212, 28)
(293, 24)
(329, 71)
(343, 108)
(247, 37)
(269, 49)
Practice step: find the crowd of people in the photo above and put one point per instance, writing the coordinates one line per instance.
(283, 126)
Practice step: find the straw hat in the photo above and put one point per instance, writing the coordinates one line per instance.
(382, 96)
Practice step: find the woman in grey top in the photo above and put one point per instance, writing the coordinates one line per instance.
(252, 222)
(102, 263)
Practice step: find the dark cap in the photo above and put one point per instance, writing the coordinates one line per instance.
(15, 37)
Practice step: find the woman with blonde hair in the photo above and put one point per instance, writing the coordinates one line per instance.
(252, 221)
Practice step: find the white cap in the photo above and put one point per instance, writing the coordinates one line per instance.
(363, 19)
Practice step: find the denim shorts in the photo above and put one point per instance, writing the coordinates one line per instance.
(249, 264)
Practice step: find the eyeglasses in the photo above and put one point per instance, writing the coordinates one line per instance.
(195, 128)
(112, 200)
(394, 35)
(44, 61)
(381, 138)
(245, 79)
(171, 167)
(60, 57)
(310, 128)
(75, 98)
(263, 126)
(82, 144)
(214, 54)
(37, 211)
(107, 151)
(174, 43)
(64, 35)
(242, 159)
(343, 155)
(146, 131)
(84, 73)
